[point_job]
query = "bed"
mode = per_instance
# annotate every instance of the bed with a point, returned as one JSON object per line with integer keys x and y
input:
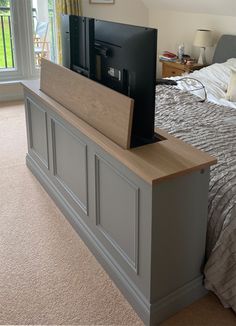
{"x": 211, "y": 126}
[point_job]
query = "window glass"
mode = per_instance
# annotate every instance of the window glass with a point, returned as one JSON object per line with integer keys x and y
{"x": 44, "y": 39}
{"x": 7, "y": 55}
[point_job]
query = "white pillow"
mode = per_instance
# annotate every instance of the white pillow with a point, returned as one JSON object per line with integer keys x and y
{"x": 232, "y": 62}
{"x": 231, "y": 92}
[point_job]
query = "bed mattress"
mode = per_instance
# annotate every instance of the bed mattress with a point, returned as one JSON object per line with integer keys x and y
{"x": 212, "y": 128}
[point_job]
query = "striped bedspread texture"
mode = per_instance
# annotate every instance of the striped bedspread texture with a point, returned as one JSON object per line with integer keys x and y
{"x": 211, "y": 128}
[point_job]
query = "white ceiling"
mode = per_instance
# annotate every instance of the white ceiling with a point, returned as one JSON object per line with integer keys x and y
{"x": 213, "y": 7}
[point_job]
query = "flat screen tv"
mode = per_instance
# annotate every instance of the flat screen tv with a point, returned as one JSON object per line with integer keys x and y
{"x": 119, "y": 56}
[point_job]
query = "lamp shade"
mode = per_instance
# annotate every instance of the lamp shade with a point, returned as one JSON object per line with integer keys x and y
{"x": 203, "y": 38}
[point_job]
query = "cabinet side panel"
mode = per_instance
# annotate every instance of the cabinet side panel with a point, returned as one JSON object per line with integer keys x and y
{"x": 178, "y": 232}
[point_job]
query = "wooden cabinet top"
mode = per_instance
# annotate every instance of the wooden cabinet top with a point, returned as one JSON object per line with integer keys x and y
{"x": 153, "y": 163}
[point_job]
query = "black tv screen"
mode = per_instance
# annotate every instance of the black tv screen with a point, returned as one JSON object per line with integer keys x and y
{"x": 119, "y": 56}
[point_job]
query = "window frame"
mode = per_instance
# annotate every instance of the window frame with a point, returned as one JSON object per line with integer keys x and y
{"x": 22, "y": 28}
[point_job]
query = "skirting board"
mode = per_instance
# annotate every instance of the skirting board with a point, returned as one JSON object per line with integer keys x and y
{"x": 11, "y": 92}
{"x": 11, "y": 97}
{"x": 151, "y": 314}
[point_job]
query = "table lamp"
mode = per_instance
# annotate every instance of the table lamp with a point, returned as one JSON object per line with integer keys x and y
{"x": 203, "y": 39}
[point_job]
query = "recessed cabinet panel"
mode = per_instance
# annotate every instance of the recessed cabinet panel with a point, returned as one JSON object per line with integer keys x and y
{"x": 70, "y": 163}
{"x": 117, "y": 206}
{"x": 38, "y": 131}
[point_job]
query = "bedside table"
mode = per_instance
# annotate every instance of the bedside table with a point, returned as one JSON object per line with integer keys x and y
{"x": 170, "y": 69}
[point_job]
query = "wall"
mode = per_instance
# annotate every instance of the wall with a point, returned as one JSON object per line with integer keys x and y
{"x": 177, "y": 22}
{"x": 213, "y": 7}
{"x": 124, "y": 11}
{"x": 176, "y": 27}
{"x": 11, "y": 92}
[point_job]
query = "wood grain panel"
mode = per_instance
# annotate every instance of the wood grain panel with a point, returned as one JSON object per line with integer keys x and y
{"x": 104, "y": 109}
{"x": 153, "y": 163}
{"x": 168, "y": 71}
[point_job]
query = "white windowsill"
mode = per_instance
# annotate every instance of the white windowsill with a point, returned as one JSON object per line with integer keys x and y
{"x": 16, "y": 82}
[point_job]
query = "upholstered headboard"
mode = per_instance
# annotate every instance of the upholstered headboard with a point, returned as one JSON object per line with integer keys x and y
{"x": 225, "y": 49}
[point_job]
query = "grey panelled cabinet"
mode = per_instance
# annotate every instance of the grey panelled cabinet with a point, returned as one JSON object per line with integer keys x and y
{"x": 149, "y": 237}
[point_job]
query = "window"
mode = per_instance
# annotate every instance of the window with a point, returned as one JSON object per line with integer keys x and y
{"x": 7, "y": 60}
{"x": 19, "y": 53}
{"x": 44, "y": 30}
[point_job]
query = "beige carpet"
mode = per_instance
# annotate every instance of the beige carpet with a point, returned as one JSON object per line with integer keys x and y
{"x": 47, "y": 275}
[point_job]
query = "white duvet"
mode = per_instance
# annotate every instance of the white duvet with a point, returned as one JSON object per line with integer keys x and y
{"x": 215, "y": 78}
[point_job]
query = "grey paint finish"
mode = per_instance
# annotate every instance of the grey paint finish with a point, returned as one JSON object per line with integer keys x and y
{"x": 125, "y": 284}
{"x": 38, "y": 140}
{"x": 117, "y": 205}
{"x": 178, "y": 232}
{"x": 139, "y": 278}
{"x": 70, "y": 163}
{"x": 150, "y": 239}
